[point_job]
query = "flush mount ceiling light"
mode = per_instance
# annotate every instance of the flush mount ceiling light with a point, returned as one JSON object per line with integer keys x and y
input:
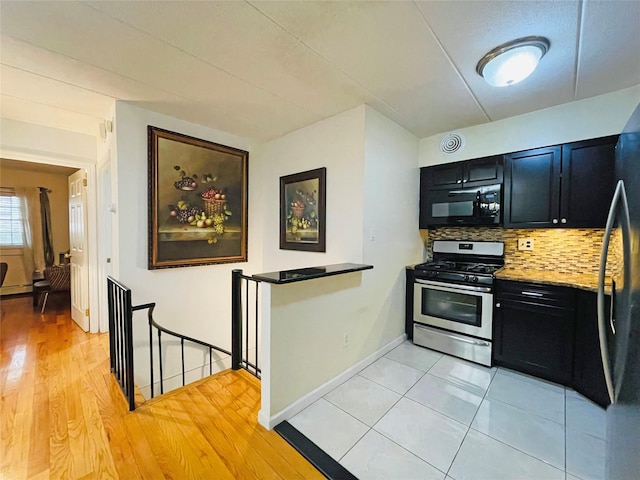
{"x": 513, "y": 61}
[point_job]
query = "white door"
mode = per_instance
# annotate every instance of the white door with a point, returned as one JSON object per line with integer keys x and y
{"x": 78, "y": 241}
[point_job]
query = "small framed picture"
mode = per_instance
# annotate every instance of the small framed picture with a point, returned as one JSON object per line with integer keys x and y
{"x": 303, "y": 211}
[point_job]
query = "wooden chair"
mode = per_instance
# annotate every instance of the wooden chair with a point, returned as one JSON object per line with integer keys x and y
{"x": 57, "y": 279}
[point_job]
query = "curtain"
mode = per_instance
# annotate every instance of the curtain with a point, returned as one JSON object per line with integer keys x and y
{"x": 47, "y": 236}
{"x": 32, "y": 253}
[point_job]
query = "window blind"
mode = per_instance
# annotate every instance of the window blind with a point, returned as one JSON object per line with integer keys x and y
{"x": 10, "y": 218}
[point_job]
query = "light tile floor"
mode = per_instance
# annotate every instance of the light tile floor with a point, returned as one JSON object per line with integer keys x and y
{"x": 419, "y": 414}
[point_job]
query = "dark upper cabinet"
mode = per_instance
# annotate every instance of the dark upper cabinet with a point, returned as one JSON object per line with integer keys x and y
{"x": 588, "y": 182}
{"x": 467, "y": 174}
{"x": 567, "y": 185}
{"x": 532, "y": 188}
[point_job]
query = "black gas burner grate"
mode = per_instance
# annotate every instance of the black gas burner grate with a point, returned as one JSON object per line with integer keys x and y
{"x": 458, "y": 267}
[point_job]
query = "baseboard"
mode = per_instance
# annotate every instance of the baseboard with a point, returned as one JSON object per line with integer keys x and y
{"x": 303, "y": 402}
{"x": 15, "y": 289}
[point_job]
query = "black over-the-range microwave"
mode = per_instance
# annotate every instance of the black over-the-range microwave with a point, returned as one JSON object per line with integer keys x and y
{"x": 462, "y": 206}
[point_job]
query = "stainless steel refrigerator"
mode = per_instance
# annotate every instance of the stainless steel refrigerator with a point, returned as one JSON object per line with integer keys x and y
{"x": 619, "y": 327}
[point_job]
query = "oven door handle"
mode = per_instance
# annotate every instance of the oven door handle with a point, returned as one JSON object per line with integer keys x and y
{"x": 456, "y": 289}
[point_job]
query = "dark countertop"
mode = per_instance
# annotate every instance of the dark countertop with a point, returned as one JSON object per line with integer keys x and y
{"x": 309, "y": 273}
{"x": 583, "y": 281}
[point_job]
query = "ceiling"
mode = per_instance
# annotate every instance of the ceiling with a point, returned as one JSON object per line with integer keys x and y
{"x": 261, "y": 69}
{"x": 35, "y": 167}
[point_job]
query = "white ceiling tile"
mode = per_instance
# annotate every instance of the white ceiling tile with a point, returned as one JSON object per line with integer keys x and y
{"x": 468, "y": 30}
{"x": 610, "y": 49}
{"x": 36, "y": 88}
{"x": 46, "y": 63}
{"x": 237, "y": 38}
{"x": 108, "y": 42}
{"x": 262, "y": 69}
{"x": 397, "y": 60}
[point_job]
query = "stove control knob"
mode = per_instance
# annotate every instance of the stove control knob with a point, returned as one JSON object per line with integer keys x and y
{"x": 474, "y": 279}
{"x": 465, "y": 278}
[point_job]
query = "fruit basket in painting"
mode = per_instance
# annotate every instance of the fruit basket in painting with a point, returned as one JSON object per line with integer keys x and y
{"x": 206, "y": 209}
{"x": 213, "y": 206}
{"x": 297, "y": 209}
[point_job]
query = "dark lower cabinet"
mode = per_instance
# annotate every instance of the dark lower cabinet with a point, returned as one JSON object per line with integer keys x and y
{"x": 588, "y": 374}
{"x": 534, "y": 329}
{"x": 408, "y": 310}
{"x": 552, "y": 333}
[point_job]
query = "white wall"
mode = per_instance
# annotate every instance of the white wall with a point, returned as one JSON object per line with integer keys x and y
{"x": 591, "y": 118}
{"x": 26, "y": 141}
{"x": 337, "y": 144}
{"x": 391, "y": 235}
{"x": 195, "y": 301}
{"x": 372, "y": 188}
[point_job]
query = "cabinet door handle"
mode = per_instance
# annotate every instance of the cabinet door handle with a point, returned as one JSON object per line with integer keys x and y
{"x": 533, "y": 294}
{"x": 555, "y": 220}
{"x": 459, "y": 181}
{"x": 564, "y": 220}
{"x": 498, "y": 305}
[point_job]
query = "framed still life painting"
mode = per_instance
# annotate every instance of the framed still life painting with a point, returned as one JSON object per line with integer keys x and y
{"x": 303, "y": 211}
{"x": 197, "y": 201}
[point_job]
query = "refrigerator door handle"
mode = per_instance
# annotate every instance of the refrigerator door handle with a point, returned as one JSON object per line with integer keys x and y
{"x": 618, "y": 196}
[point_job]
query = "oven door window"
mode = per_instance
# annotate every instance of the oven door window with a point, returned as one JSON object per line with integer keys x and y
{"x": 457, "y": 307}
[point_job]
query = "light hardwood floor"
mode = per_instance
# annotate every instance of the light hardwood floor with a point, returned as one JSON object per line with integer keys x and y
{"x": 62, "y": 415}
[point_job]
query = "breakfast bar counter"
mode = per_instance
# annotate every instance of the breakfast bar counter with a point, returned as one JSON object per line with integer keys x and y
{"x": 309, "y": 273}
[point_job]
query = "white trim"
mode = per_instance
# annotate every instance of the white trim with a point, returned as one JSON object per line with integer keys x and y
{"x": 15, "y": 289}
{"x": 303, "y": 402}
{"x": 52, "y": 158}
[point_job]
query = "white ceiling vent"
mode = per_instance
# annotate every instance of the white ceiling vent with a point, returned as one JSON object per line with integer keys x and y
{"x": 452, "y": 143}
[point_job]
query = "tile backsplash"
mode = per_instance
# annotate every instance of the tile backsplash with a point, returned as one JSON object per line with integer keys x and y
{"x": 563, "y": 250}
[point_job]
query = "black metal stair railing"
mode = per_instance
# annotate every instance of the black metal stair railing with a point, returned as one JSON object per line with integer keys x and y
{"x": 245, "y": 323}
{"x": 245, "y": 335}
{"x": 183, "y": 338}
{"x": 121, "y": 341}
{"x": 121, "y": 336}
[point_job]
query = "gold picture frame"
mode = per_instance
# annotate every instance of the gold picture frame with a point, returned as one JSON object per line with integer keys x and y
{"x": 197, "y": 201}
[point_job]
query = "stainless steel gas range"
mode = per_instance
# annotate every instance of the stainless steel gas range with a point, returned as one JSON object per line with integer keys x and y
{"x": 453, "y": 299}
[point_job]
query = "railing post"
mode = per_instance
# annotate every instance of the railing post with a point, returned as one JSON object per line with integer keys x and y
{"x": 236, "y": 318}
{"x": 128, "y": 333}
